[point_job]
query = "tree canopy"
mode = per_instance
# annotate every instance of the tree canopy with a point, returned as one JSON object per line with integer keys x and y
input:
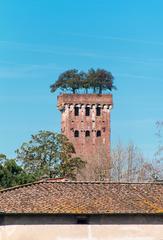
{"x": 97, "y": 81}
{"x": 46, "y": 154}
{"x": 49, "y": 154}
{"x": 12, "y": 174}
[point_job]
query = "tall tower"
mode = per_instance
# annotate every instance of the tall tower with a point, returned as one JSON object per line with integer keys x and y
{"x": 86, "y": 123}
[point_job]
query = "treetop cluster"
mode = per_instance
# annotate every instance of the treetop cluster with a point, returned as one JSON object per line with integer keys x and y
{"x": 93, "y": 81}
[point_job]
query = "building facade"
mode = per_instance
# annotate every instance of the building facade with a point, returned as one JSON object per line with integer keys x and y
{"x": 86, "y": 123}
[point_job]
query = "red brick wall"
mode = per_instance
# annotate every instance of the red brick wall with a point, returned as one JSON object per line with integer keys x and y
{"x": 95, "y": 150}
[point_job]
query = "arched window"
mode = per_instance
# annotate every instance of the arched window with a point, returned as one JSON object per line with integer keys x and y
{"x": 98, "y": 111}
{"x": 76, "y": 111}
{"x": 87, "y": 133}
{"x": 87, "y": 111}
{"x": 98, "y": 133}
{"x": 76, "y": 133}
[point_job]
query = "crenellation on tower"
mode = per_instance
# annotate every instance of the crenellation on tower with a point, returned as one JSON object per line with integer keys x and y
{"x": 86, "y": 123}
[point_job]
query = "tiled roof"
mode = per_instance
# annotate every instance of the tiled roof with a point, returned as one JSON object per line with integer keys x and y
{"x": 64, "y": 197}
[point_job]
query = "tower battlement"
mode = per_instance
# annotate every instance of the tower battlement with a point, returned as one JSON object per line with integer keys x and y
{"x": 86, "y": 123}
{"x": 71, "y": 99}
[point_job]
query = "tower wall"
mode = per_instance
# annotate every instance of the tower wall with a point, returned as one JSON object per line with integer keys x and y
{"x": 89, "y": 134}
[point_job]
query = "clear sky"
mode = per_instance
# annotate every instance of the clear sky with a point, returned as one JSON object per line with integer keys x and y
{"x": 39, "y": 39}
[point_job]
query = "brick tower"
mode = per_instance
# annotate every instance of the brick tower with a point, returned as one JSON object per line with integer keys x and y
{"x": 86, "y": 123}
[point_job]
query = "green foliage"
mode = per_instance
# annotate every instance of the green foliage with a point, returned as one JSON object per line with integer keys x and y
{"x": 98, "y": 80}
{"x": 46, "y": 154}
{"x": 2, "y": 158}
{"x": 12, "y": 174}
{"x": 69, "y": 80}
{"x": 49, "y": 154}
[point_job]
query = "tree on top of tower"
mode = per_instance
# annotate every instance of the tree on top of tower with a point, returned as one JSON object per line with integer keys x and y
{"x": 97, "y": 80}
{"x": 68, "y": 80}
{"x": 100, "y": 80}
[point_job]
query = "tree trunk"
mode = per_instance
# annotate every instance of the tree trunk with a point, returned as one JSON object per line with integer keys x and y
{"x": 100, "y": 90}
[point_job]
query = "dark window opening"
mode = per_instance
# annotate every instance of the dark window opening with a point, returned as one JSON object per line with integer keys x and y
{"x": 82, "y": 220}
{"x": 76, "y": 133}
{"x": 87, "y": 111}
{"x": 98, "y": 111}
{"x": 98, "y": 133}
{"x": 87, "y": 133}
{"x": 76, "y": 111}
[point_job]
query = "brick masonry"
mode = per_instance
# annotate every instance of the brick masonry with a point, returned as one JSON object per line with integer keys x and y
{"x": 90, "y": 134}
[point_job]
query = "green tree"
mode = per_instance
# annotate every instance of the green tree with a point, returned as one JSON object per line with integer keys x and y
{"x": 12, "y": 174}
{"x": 68, "y": 80}
{"x": 91, "y": 79}
{"x": 51, "y": 154}
{"x": 85, "y": 83}
{"x": 3, "y": 158}
{"x": 100, "y": 80}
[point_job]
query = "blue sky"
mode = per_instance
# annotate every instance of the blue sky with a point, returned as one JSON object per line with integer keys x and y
{"x": 41, "y": 39}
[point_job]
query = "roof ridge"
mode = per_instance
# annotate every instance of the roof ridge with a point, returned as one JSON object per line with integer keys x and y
{"x": 77, "y": 182}
{"x": 102, "y": 182}
{"x": 20, "y": 186}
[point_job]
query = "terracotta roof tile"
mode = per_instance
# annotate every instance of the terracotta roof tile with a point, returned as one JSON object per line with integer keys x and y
{"x": 66, "y": 197}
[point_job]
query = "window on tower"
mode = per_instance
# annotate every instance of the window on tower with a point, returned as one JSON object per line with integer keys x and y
{"x": 76, "y": 111}
{"x": 87, "y": 133}
{"x": 98, "y": 111}
{"x": 98, "y": 133}
{"x": 76, "y": 133}
{"x": 87, "y": 111}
